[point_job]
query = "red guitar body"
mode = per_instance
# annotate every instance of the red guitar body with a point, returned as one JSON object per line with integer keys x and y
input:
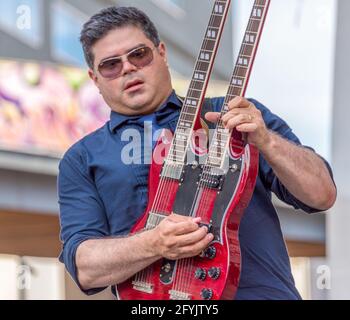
{"x": 220, "y": 210}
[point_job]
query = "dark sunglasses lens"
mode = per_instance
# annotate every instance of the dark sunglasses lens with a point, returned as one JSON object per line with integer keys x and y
{"x": 141, "y": 57}
{"x": 111, "y": 68}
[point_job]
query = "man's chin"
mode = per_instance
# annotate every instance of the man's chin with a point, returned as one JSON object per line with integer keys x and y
{"x": 137, "y": 99}
{"x": 138, "y": 103}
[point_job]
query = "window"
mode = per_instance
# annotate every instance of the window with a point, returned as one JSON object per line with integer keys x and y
{"x": 22, "y": 19}
{"x": 66, "y": 24}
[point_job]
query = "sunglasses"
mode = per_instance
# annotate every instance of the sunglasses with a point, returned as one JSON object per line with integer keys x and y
{"x": 111, "y": 68}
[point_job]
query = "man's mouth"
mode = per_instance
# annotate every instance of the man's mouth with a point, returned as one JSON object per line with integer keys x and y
{"x": 133, "y": 85}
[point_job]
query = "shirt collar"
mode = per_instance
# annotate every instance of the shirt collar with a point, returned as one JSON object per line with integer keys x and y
{"x": 118, "y": 119}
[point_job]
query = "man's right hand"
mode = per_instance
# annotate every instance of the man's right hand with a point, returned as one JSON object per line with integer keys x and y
{"x": 178, "y": 237}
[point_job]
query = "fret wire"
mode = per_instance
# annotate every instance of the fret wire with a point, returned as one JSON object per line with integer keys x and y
{"x": 240, "y": 73}
{"x": 200, "y": 77}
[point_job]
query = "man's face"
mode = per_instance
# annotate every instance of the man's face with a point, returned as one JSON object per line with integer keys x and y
{"x": 135, "y": 91}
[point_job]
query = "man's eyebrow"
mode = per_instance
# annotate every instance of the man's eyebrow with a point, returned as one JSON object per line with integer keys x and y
{"x": 127, "y": 51}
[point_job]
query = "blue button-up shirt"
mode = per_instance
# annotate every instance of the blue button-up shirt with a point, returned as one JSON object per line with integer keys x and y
{"x": 102, "y": 196}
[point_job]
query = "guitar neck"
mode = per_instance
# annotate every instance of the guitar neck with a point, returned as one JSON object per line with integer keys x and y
{"x": 240, "y": 78}
{"x": 199, "y": 83}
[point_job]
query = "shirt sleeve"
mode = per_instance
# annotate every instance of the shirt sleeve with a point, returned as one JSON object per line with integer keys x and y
{"x": 270, "y": 180}
{"x": 267, "y": 175}
{"x": 82, "y": 214}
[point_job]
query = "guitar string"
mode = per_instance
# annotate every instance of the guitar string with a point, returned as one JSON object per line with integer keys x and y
{"x": 179, "y": 276}
{"x": 162, "y": 187}
{"x": 218, "y": 2}
{"x": 205, "y": 201}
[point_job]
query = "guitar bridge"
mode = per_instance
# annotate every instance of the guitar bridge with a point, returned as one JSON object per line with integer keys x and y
{"x": 142, "y": 286}
{"x": 178, "y": 295}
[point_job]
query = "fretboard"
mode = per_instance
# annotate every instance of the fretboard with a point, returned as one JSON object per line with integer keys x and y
{"x": 198, "y": 84}
{"x": 239, "y": 81}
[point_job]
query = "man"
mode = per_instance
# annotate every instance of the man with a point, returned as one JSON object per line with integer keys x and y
{"x": 101, "y": 198}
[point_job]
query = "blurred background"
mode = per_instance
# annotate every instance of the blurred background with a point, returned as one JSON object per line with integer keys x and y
{"x": 47, "y": 103}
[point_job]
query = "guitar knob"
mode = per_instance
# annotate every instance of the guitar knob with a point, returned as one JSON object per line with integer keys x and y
{"x": 210, "y": 252}
{"x": 207, "y": 294}
{"x": 214, "y": 273}
{"x": 200, "y": 274}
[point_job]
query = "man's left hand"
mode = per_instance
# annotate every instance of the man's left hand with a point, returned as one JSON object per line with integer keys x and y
{"x": 247, "y": 119}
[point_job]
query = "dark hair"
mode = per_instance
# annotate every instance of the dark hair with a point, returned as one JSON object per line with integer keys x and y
{"x": 112, "y": 18}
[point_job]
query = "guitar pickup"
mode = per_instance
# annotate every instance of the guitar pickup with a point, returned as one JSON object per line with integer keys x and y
{"x": 212, "y": 181}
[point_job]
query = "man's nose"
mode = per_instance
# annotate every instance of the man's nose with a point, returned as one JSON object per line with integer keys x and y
{"x": 128, "y": 67}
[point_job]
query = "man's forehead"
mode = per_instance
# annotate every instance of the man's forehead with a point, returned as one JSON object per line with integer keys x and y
{"x": 120, "y": 41}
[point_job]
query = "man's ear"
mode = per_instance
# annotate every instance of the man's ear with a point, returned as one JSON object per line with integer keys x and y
{"x": 94, "y": 78}
{"x": 163, "y": 51}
